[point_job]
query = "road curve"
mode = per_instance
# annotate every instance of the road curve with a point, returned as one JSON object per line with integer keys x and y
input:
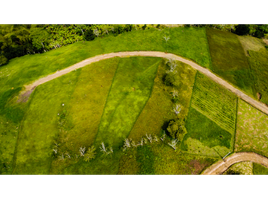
{"x": 203, "y": 70}
{"x": 221, "y": 166}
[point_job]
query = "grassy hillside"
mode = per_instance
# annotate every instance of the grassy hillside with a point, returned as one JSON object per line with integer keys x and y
{"x": 188, "y": 42}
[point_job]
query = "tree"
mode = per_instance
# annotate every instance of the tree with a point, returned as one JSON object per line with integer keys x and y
{"x": 40, "y": 38}
{"x": 90, "y": 154}
{"x": 176, "y": 129}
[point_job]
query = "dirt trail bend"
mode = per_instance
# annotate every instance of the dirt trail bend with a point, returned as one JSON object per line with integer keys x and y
{"x": 203, "y": 70}
{"x": 221, "y": 166}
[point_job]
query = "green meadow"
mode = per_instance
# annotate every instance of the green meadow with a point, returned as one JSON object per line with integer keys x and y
{"x": 107, "y": 104}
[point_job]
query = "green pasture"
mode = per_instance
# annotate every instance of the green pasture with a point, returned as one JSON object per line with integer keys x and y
{"x": 158, "y": 110}
{"x": 259, "y": 169}
{"x": 252, "y": 133}
{"x": 229, "y": 59}
{"x": 211, "y": 120}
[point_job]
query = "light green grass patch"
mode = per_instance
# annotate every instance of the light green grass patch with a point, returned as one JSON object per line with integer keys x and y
{"x": 242, "y": 168}
{"x": 128, "y": 95}
{"x": 84, "y": 111}
{"x": 39, "y": 129}
{"x": 251, "y": 43}
{"x": 194, "y": 146}
{"x": 252, "y": 132}
{"x": 167, "y": 161}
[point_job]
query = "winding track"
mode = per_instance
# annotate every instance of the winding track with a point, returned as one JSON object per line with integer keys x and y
{"x": 203, "y": 70}
{"x": 216, "y": 168}
{"x": 221, "y": 166}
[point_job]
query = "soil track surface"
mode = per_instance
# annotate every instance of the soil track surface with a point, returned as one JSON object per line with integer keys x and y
{"x": 221, "y": 166}
{"x": 203, "y": 70}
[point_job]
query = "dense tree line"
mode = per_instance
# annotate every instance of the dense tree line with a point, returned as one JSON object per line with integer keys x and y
{"x": 19, "y": 40}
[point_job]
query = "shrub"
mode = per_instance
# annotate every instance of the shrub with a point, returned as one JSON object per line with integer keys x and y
{"x": 176, "y": 129}
{"x": 89, "y": 35}
{"x": 3, "y": 60}
{"x": 169, "y": 79}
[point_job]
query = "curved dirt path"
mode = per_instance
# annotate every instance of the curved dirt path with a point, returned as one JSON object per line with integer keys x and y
{"x": 29, "y": 88}
{"x": 221, "y": 166}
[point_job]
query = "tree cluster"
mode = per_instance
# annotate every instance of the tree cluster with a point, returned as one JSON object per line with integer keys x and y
{"x": 19, "y": 40}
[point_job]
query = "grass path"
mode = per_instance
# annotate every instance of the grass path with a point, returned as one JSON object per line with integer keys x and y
{"x": 242, "y": 95}
{"x": 221, "y": 166}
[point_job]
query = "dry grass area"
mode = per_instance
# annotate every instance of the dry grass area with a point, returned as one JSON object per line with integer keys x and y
{"x": 242, "y": 168}
{"x": 252, "y": 131}
{"x": 251, "y": 43}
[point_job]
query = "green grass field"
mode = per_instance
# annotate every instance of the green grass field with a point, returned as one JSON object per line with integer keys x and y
{"x": 159, "y": 158}
{"x": 229, "y": 59}
{"x": 120, "y": 98}
{"x": 211, "y": 120}
{"x": 130, "y": 91}
{"x": 241, "y": 168}
{"x": 252, "y": 134}
{"x": 158, "y": 109}
{"x": 257, "y": 56}
{"x": 259, "y": 169}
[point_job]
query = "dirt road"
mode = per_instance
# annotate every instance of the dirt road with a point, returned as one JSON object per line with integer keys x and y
{"x": 205, "y": 71}
{"x": 221, "y": 166}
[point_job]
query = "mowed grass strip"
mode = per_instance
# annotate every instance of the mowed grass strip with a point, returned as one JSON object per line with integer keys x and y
{"x": 39, "y": 129}
{"x": 252, "y": 132}
{"x": 215, "y": 102}
{"x": 229, "y": 59}
{"x": 84, "y": 112}
{"x": 131, "y": 89}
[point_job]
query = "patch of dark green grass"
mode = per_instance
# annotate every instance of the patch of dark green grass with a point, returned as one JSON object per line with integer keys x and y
{"x": 258, "y": 61}
{"x": 145, "y": 158}
{"x": 229, "y": 59}
{"x": 259, "y": 169}
{"x": 201, "y": 128}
